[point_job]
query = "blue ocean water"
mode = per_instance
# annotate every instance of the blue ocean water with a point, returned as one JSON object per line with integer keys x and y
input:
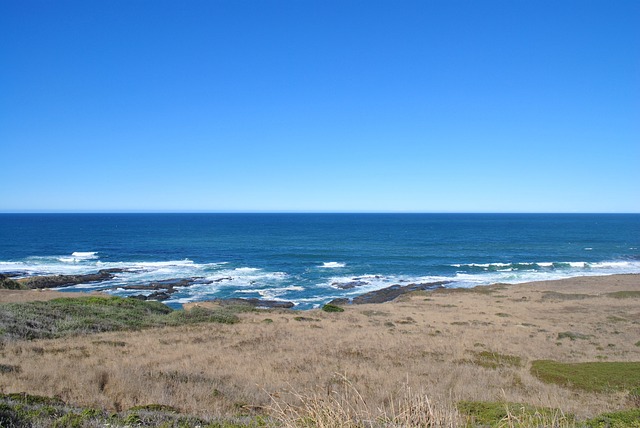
{"x": 305, "y": 258}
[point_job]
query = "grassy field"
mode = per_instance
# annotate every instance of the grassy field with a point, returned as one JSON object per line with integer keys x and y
{"x": 493, "y": 356}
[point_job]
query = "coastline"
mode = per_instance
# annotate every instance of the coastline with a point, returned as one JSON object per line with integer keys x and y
{"x": 431, "y": 341}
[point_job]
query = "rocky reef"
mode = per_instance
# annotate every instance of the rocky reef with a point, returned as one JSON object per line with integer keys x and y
{"x": 54, "y": 281}
{"x": 389, "y": 293}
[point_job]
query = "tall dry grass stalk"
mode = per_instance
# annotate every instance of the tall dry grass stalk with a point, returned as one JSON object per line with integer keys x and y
{"x": 344, "y": 407}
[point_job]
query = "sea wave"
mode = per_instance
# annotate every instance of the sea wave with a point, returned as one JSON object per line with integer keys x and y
{"x": 305, "y": 285}
{"x": 332, "y": 265}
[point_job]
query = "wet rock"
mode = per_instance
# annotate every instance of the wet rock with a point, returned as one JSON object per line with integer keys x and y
{"x": 390, "y": 293}
{"x": 166, "y": 284}
{"x": 163, "y": 289}
{"x": 349, "y": 285}
{"x": 54, "y": 281}
{"x": 159, "y": 296}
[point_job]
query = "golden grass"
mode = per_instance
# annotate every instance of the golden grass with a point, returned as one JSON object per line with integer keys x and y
{"x": 424, "y": 342}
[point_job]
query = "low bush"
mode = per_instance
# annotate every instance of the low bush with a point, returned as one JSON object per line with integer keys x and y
{"x": 332, "y": 308}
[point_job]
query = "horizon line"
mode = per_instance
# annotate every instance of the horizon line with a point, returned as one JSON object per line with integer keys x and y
{"x": 298, "y": 212}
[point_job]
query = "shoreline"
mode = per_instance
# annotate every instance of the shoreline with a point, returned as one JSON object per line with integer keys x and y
{"x": 383, "y": 295}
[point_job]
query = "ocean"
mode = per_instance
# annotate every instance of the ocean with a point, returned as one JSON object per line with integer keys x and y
{"x": 310, "y": 259}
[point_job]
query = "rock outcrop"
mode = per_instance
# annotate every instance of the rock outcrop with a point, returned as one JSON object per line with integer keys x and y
{"x": 389, "y": 293}
{"x": 54, "y": 281}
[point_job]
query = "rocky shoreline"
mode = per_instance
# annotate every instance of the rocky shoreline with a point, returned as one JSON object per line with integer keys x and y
{"x": 55, "y": 281}
{"x": 162, "y": 290}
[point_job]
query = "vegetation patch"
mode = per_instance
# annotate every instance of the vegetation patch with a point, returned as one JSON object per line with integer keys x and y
{"x": 332, "y": 308}
{"x": 494, "y": 414}
{"x": 114, "y": 343}
{"x": 8, "y": 368}
{"x": 22, "y": 410}
{"x": 593, "y": 376}
{"x": 370, "y": 313}
{"x": 86, "y": 315}
{"x": 621, "y": 419}
{"x": 554, "y": 295}
{"x": 155, "y": 408}
{"x": 493, "y": 360}
{"x": 624, "y": 294}
{"x": 572, "y": 335}
{"x": 481, "y": 289}
{"x": 7, "y": 283}
{"x": 305, "y": 319}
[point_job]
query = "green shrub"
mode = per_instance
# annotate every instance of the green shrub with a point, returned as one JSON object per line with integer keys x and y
{"x": 332, "y": 308}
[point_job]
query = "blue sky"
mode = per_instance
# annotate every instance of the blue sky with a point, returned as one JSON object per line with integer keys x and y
{"x": 301, "y": 105}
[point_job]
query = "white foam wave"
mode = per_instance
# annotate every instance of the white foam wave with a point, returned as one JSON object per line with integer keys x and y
{"x": 332, "y": 265}
{"x": 85, "y": 254}
{"x": 246, "y": 269}
{"x": 170, "y": 263}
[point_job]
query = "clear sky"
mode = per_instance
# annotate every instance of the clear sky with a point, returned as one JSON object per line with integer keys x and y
{"x": 304, "y": 105}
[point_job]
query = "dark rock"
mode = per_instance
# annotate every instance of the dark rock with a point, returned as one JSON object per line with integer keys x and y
{"x": 163, "y": 289}
{"x": 53, "y": 281}
{"x": 339, "y": 302}
{"x": 159, "y": 295}
{"x": 390, "y": 293}
{"x": 349, "y": 285}
{"x": 226, "y": 278}
{"x": 166, "y": 284}
{"x": 256, "y": 303}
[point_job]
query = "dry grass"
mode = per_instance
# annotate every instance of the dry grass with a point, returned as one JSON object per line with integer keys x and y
{"x": 424, "y": 342}
{"x": 344, "y": 407}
